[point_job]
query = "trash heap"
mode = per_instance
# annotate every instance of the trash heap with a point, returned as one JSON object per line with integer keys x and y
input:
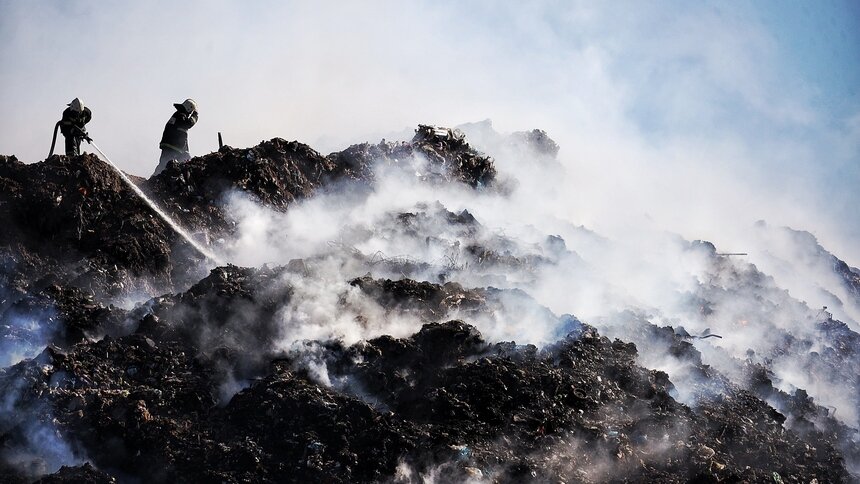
{"x": 443, "y": 401}
{"x": 85, "y": 474}
{"x": 206, "y": 380}
{"x": 537, "y": 140}
{"x": 61, "y": 315}
{"x": 461, "y": 247}
{"x": 448, "y": 148}
{"x": 826, "y": 348}
{"x": 74, "y": 220}
{"x": 276, "y": 173}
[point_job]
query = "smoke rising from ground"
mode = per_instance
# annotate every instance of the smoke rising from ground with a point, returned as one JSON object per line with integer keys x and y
{"x": 657, "y": 276}
{"x": 666, "y": 139}
{"x": 689, "y": 114}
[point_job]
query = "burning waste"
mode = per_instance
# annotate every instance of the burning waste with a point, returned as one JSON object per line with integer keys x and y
{"x": 374, "y": 320}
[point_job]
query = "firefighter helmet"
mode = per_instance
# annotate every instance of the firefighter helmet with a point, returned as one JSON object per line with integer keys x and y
{"x": 190, "y": 106}
{"x": 77, "y": 105}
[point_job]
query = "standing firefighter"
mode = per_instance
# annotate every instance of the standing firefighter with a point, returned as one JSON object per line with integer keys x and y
{"x": 174, "y": 141}
{"x": 73, "y": 126}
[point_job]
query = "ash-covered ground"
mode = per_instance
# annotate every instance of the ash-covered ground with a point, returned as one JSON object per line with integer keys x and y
{"x": 408, "y": 311}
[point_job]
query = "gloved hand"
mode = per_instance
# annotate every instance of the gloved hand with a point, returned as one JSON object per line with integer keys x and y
{"x": 84, "y": 135}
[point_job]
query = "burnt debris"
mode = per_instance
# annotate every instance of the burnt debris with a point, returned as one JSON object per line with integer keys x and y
{"x": 202, "y": 380}
{"x": 77, "y": 217}
{"x": 443, "y": 400}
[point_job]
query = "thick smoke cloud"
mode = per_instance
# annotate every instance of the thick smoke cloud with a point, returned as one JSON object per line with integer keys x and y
{"x": 688, "y": 134}
{"x": 643, "y": 276}
{"x": 690, "y": 115}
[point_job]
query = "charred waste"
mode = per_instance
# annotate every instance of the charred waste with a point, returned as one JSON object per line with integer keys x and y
{"x": 127, "y": 356}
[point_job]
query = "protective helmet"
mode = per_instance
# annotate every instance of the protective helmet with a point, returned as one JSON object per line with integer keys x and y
{"x": 190, "y": 106}
{"x": 77, "y": 105}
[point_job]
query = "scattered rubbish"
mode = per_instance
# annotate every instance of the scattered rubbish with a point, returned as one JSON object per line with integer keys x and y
{"x": 194, "y": 385}
{"x": 155, "y": 208}
{"x": 463, "y": 451}
{"x": 706, "y": 333}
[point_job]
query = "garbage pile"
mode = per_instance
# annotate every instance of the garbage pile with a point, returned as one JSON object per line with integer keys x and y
{"x": 208, "y": 377}
{"x": 443, "y": 401}
{"x": 276, "y": 173}
{"x": 825, "y": 348}
{"x": 75, "y": 220}
{"x": 85, "y": 474}
{"x": 538, "y": 140}
{"x": 448, "y": 148}
{"x": 426, "y": 300}
{"x": 61, "y": 315}
{"x": 457, "y": 245}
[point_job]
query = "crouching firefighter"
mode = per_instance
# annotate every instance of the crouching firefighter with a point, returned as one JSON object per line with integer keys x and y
{"x": 174, "y": 141}
{"x": 73, "y": 127}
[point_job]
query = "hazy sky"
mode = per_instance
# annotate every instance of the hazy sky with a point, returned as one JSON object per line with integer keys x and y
{"x": 729, "y": 110}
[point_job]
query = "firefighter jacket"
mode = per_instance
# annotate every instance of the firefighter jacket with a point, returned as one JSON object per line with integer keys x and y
{"x": 175, "y": 135}
{"x": 73, "y": 122}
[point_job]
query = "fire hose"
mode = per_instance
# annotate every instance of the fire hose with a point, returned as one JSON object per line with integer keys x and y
{"x": 84, "y": 136}
{"x": 54, "y": 140}
{"x": 166, "y": 218}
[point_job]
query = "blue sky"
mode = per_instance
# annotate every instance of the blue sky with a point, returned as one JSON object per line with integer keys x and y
{"x": 818, "y": 43}
{"x": 723, "y": 109}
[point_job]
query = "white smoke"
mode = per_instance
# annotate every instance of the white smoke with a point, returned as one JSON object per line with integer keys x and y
{"x": 39, "y": 448}
{"x": 697, "y": 117}
{"x": 725, "y": 142}
{"x": 661, "y": 275}
{"x": 25, "y": 333}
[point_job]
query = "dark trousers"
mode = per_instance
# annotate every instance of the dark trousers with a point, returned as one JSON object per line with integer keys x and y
{"x": 73, "y": 146}
{"x": 168, "y": 154}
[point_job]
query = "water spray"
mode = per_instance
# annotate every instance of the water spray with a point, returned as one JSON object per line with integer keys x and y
{"x": 175, "y": 226}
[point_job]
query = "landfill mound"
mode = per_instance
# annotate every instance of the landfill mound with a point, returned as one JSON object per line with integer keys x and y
{"x": 442, "y": 401}
{"x": 60, "y": 315}
{"x": 356, "y": 365}
{"x": 77, "y": 222}
{"x": 278, "y": 172}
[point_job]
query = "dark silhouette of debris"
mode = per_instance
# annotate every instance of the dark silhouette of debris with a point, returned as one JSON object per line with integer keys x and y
{"x": 196, "y": 384}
